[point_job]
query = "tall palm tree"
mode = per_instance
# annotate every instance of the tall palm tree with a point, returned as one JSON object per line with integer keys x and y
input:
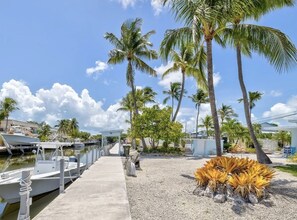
{"x": 253, "y": 97}
{"x": 184, "y": 60}
{"x": 267, "y": 41}
{"x": 44, "y": 132}
{"x": 226, "y": 112}
{"x": 63, "y": 126}
{"x": 200, "y": 97}
{"x": 7, "y": 106}
{"x": 144, "y": 96}
{"x": 173, "y": 93}
{"x": 204, "y": 20}
{"x": 207, "y": 123}
{"x": 132, "y": 46}
{"x": 73, "y": 127}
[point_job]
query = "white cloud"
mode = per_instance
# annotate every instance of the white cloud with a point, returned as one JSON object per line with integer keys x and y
{"x": 126, "y": 3}
{"x": 100, "y": 67}
{"x": 61, "y": 102}
{"x": 275, "y": 93}
{"x": 157, "y": 6}
{"x": 172, "y": 77}
{"x": 280, "y": 109}
{"x": 216, "y": 78}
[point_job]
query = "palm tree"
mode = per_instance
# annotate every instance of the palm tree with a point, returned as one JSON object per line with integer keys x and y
{"x": 199, "y": 98}
{"x": 173, "y": 93}
{"x": 44, "y": 132}
{"x": 73, "y": 127}
{"x": 184, "y": 60}
{"x": 271, "y": 43}
{"x": 7, "y": 106}
{"x": 144, "y": 96}
{"x": 207, "y": 123}
{"x": 132, "y": 46}
{"x": 63, "y": 126}
{"x": 253, "y": 97}
{"x": 226, "y": 113}
{"x": 204, "y": 19}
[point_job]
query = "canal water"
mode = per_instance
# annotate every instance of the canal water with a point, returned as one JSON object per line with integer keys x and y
{"x": 7, "y": 163}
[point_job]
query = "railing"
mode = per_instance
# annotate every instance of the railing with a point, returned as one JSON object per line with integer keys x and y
{"x": 25, "y": 182}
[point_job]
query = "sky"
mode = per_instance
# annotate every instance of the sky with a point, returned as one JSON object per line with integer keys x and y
{"x": 53, "y": 62}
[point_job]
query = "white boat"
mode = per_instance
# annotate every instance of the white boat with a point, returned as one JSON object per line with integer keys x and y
{"x": 18, "y": 139}
{"x": 45, "y": 173}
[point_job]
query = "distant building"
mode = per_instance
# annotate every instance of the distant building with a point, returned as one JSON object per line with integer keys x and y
{"x": 32, "y": 127}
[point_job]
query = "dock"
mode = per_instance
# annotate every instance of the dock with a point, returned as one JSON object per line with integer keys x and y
{"x": 100, "y": 193}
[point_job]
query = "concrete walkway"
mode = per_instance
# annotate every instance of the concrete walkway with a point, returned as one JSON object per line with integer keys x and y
{"x": 100, "y": 193}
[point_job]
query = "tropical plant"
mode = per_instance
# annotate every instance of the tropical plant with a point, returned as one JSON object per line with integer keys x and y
{"x": 283, "y": 138}
{"x": 253, "y": 97}
{"x": 173, "y": 94}
{"x": 63, "y": 126}
{"x": 226, "y": 113}
{"x": 7, "y": 106}
{"x": 73, "y": 128}
{"x": 207, "y": 123}
{"x": 243, "y": 175}
{"x": 267, "y": 41}
{"x": 185, "y": 60}
{"x": 200, "y": 97}
{"x": 132, "y": 46}
{"x": 44, "y": 131}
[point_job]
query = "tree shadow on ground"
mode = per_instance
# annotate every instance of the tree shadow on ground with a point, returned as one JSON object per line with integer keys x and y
{"x": 188, "y": 176}
{"x": 284, "y": 188}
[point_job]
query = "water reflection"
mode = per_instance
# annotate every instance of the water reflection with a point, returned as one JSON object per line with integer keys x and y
{"x": 8, "y": 163}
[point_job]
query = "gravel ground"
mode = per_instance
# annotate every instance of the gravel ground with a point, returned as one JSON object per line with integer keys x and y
{"x": 163, "y": 189}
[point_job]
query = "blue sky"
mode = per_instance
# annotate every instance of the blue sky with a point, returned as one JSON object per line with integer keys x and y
{"x": 53, "y": 62}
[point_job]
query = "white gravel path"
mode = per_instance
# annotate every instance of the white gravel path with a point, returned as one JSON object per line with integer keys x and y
{"x": 163, "y": 190}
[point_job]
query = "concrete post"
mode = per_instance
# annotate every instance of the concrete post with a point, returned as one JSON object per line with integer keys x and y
{"x": 25, "y": 200}
{"x": 87, "y": 160}
{"x": 119, "y": 145}
{"x": 78, "y": 165}
{"x": 62, "y": 185}
{"x": 92, "y": 155}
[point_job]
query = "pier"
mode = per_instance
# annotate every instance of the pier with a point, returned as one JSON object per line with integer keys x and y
{"x": 100, "y": 193}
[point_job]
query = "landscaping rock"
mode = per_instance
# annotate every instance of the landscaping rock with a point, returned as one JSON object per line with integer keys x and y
{"x": 220, "y": 198}
{"x": 198, "y": 191}
{"x": 253, "y": 199}
{"x": 209, "y": 192}
{"x": 131, "y": 170}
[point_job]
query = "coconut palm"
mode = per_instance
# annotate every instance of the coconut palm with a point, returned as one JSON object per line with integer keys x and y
{"x": 253, "y": 97}
{"x": 7, "y": 106}
{"x": 173, "y": 94}
{"x": 63, "y": 126}
{"x": 44, "y": 132}
{"x": 73, "y": 127}
{"x": 144, "y": 96}
{"x": 132, "y": 46}
{"x": 267, "y": 41}
{"x": 204, "y": 20}
{"x": 200, "y": 97}
{"x": 226, "y": 113}
{"x": 207, "y": 123}
{"x": 185, "y": 61}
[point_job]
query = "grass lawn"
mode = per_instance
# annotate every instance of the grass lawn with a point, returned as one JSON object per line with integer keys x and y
{"x": 290, "y": 168}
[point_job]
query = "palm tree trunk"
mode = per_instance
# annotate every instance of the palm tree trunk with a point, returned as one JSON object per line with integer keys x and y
{"x": 180, "y": 97}
{"x": 261, "y": 156}
{"x": 172, "y": 105}
{"x": 197, "y": 117}
{"x": 212, "y": 97}
{"x": 6, "y": 125}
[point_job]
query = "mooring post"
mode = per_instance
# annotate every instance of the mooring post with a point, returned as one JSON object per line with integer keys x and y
{"x": 78, "y": 165}
{"x": 92, "y": 155}
{"x": 61, "y": 176}
{"x": 25, "y": 200}
{"x": 87, "y": 160}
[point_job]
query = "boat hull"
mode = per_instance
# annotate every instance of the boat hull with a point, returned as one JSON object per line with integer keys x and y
{"x": 10, "y": 191}
{"x": 19, "y": 140}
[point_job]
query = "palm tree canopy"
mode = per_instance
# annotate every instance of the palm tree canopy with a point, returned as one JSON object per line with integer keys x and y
{"x": 200, "y": 97}
{"x": 173, "y": 92}
{"x": 7, "y": 106}
{"x": 253, "y": 97}
{"x": 226, "y": 112}
{"x": 132, "y": 46}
